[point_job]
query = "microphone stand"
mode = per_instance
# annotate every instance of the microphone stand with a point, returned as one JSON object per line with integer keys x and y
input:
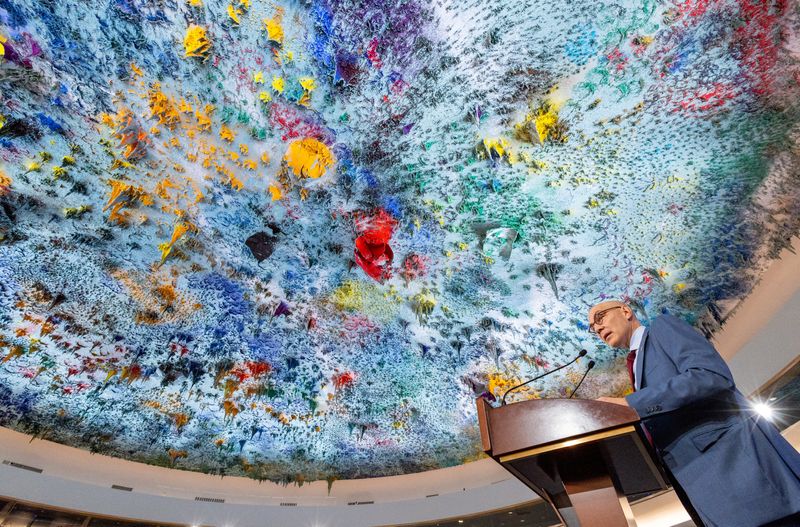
{"x": 545, "y": 374}
{"x": 588, "y": 367}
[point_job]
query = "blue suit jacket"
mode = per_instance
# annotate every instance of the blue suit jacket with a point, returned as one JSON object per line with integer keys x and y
{"x": 736, "y": 469}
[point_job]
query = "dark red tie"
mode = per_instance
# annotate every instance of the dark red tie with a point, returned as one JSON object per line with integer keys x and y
{"x": 631, "y": 358}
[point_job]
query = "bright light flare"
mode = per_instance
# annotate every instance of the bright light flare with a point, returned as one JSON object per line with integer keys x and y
{"x": 764, "y": 410}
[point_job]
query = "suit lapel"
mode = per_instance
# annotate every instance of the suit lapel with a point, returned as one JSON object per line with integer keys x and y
{"x": 640, "y": 356}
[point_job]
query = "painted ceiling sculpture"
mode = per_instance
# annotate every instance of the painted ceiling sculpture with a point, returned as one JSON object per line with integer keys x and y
{"x": 294, "y": 240}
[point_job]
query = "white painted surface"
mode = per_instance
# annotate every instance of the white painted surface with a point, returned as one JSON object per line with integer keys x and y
{"x": 78, "y": 480}
{"x": 78, "y": 465}
{"x": 762, "y": 335}
{"x": 59, "y": 492}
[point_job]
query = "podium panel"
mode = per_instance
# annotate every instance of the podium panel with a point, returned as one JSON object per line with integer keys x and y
{"x": 584, "y": 457}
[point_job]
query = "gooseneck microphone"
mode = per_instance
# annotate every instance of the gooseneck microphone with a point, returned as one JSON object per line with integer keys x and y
{"x": 588, "y": 367}
{"x": 545, "y": 374}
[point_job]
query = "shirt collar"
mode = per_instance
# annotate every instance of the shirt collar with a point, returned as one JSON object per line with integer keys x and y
{"x": 636, "y": 338}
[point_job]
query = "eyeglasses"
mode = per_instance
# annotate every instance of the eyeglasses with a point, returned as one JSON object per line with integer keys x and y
{"x": 599, "y": 317}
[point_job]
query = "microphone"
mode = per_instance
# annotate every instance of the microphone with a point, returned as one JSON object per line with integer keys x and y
{"x": 588, "y": 367}
{"x": 545, "y": 374}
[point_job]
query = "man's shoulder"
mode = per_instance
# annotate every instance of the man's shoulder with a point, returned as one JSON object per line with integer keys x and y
{"x": 665, "y": 319}
{"x": 666, "y": 323}
{"x": 668, "y": 328}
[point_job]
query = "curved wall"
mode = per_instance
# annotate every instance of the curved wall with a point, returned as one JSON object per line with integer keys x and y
{"x": 758, "y": 341}
{"x": 78, "y": 480}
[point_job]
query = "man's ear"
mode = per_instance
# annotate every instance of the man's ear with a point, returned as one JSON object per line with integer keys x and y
{"x": 628, "y": 313}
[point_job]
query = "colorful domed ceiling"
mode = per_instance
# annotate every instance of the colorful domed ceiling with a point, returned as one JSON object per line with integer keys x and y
{"x": 294, "y": 240}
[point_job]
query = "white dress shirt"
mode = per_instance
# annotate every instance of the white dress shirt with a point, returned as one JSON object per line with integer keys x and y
{"x": 636, "y": 342}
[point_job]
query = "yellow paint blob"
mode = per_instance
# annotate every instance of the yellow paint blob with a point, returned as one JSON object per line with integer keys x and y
{"x": 128, "y": 193}
{"x": 163, "y": 107}
{"x": 348, "y": 297}
{"x": 185, "y": 107}
{"x": 495, "y": 147}
{"x": 234, "y": 13}
{"x": 308, "y": 83}
{"x": 5, "y": 183}
{"x": 278, "y": 84}
{"x": 423, "y": 303}
{"x": 308, "y": 158}
{"x": 545, "y": 118}
{"x": 203, "y": 118}
{"x": 2, "y": 47}
{"x": 196, "y": 43}
{"x": 499, "y": 383}
{"x": 274, "y": 29}
{"x": 162, "y": 188}
{"x": 226, "y": 133}
{"x": 275, "y": 192}
{"x": 178, "y": 231}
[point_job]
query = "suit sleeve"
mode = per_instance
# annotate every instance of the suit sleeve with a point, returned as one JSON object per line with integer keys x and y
{"x": 701, "y": 371}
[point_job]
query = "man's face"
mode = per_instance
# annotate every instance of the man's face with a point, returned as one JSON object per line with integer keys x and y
{"x": 613, "y": 322}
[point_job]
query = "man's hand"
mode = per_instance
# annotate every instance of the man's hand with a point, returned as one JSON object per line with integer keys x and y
{"x": 613, "y": 400}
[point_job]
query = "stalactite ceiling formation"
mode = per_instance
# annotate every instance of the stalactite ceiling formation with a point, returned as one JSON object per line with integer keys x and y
{"x": 294, "y": 240}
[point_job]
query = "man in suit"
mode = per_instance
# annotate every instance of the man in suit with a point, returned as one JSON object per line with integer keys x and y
{"x": 735, "y": 468}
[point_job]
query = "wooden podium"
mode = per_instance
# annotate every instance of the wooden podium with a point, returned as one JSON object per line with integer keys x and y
{"x": 584, "y": 457}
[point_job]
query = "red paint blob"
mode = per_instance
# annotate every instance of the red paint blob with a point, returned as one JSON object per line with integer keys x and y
{"x": 372, "y": 252}
{"x": 344, "y": 379}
